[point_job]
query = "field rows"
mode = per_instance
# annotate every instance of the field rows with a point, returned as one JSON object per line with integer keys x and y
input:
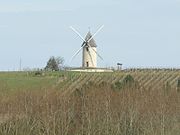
{"x": 146, "y": 79}
{"x": 69, "y": 81}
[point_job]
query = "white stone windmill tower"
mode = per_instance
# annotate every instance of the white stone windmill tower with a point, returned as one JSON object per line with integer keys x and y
{"x": 89, "y": 47}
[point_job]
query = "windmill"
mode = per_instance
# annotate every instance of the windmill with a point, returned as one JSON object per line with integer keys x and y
{"x": 89, "y": 49}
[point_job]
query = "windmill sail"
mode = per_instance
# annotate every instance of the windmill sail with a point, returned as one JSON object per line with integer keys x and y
{"x": 89, "y": 49}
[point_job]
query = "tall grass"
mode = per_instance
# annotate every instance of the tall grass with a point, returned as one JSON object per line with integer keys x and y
{"x": 91, "y": 110}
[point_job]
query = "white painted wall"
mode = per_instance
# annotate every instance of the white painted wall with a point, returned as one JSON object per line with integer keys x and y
{"x": 89, "y": 57}
{"x": 92, "y": 70}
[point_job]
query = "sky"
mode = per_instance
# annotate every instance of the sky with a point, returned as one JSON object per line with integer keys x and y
{"x": 137, "y": 33}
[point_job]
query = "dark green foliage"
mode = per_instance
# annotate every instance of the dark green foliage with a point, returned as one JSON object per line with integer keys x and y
{"x": 178, "y": 85}
{"x": 118, "y": 85}
{"x": 54, "y": 64}
{"x": 38, "y": 73}
{"x": 128, "y": 81}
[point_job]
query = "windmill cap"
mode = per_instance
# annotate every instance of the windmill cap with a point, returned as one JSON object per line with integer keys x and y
{"x": 92, "y": 42}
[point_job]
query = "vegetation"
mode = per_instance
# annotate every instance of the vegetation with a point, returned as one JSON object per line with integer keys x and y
{"x": 66, "y": 103}
{"x": 128, "y": 81}
{"x": 54, "y": 63}
{"x": 178, "y": 85}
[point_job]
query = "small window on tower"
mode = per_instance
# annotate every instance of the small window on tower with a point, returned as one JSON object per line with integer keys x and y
{"x": 87, "y": 64}
{"x": 87, "y": 49}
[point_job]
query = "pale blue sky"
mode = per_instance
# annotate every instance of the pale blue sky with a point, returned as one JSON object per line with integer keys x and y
{"x": 137, "y": 33}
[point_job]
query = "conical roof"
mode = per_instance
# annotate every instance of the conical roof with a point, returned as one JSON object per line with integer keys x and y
{"x": 92, "y": 42}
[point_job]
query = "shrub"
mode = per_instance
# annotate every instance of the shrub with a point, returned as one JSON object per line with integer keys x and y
{"x": 128, "y": 81}
{"x": 178, "y": 85}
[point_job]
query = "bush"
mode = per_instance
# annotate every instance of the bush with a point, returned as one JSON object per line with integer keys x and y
{"x": 128, "y": 81}
{"x": 38, "y": 73}
{"x": 178, "y": 85}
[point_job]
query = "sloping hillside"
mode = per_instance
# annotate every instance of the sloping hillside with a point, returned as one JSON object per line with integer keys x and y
{"x": 146, "y": 78}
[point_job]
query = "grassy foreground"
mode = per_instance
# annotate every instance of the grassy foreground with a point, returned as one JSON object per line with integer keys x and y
{"x": 65, "y": 104}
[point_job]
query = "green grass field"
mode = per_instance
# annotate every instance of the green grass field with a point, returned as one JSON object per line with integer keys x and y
{"x": 13, "y": 81}
{"x": 10, "y": 82}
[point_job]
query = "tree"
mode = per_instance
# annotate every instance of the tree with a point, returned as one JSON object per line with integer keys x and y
{"x": 60, "y": 62}
{"x": 54, "y": 63}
